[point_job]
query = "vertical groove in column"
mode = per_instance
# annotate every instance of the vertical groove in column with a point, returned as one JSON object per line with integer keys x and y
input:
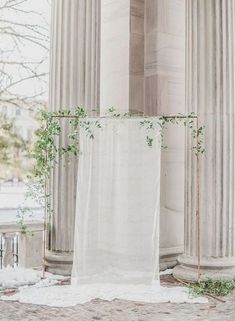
{"x": 218, "y": 151}
{"x": 232, "y": 142}
{"x": 231, "y": 126}
{"x": 188, "y": 35}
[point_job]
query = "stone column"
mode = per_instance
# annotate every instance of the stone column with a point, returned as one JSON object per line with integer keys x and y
{"x": 143, "y": 70}
{"x": 210, "y": 90}
{"x": 164, "y": 94}
{"x": 122, "y": 55}
{"x": 74, "y": 81}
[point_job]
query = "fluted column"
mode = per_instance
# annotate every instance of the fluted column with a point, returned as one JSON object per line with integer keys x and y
{"x": 210, "y": 90}
{"x": 74, "y": 81}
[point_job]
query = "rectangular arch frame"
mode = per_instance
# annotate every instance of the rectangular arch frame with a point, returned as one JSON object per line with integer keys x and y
{"x": 195, "y": 118}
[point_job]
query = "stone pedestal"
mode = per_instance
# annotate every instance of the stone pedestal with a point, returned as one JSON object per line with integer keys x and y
{"x": 74, "y": 79}
{"x": 31, "y": 249}
{"x": 210, "y": 89}
{"x": 28, "y": 247}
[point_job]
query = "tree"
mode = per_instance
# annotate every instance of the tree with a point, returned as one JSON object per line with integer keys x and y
{"x": 19, "y": 68}
{"x": 13, "y": 150}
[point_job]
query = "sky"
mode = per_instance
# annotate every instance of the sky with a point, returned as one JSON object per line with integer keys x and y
{"x": 39, "y": 14}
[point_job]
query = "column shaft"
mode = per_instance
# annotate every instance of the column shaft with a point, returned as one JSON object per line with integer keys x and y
{"x": 74, "y": 81}
{"x": 210, "y": 88}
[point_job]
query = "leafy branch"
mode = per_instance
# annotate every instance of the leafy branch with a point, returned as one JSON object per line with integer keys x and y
{"x": 187, "y": 121}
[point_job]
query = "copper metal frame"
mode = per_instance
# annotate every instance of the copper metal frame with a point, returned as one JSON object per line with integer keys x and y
{"x": 198, "y": 238}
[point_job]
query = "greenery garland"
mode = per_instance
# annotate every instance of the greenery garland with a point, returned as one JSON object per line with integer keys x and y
{"x": 46, "y": 152}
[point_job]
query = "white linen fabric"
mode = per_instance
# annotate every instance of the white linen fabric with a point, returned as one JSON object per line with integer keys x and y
{"x": 117, "y": 213}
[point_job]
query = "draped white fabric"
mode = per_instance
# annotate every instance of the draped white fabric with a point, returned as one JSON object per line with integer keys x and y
{"x": 116, "y": 248}
{"x": 117, "y": 214}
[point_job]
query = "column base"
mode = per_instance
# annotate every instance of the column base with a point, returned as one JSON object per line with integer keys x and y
{"x": 213, "y": 268}
{"x": 59, "y": 262}
{"x": 169, "y": 257}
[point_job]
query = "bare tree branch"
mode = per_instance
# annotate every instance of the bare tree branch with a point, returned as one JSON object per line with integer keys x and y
{"x": 21, "y": 80}
{"x": 18, "y": 31}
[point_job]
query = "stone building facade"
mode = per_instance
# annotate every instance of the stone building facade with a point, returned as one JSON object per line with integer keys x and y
{"x": 157, "y": 57}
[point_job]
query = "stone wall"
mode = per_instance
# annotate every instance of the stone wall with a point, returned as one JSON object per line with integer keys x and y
{"x": 164, "y": 93}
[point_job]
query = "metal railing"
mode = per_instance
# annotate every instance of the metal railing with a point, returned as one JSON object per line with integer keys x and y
{"x": 14, "y": 246}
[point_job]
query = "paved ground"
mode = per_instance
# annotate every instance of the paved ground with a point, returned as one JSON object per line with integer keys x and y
{"x": 119, "y": 310}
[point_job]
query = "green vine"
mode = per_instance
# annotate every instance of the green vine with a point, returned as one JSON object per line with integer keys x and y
{"x": 212, "y": 287}
{"x": 163, "y": 122}
{"x": 47, "y": 150}
{"x": 22, "y": 211}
